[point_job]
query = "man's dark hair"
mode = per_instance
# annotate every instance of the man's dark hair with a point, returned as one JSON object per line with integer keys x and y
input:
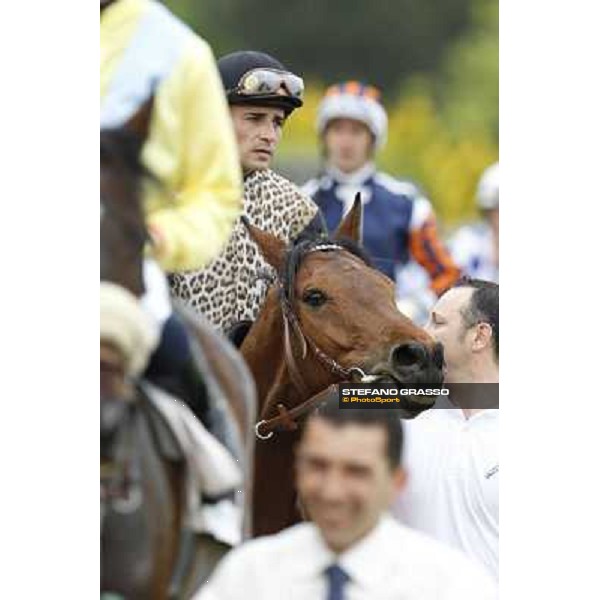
{"x": 483, "y": 307}
{"x": 387, "y": 419}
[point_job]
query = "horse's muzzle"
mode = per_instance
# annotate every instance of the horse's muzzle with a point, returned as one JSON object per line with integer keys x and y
{"x": 416, "y": 363}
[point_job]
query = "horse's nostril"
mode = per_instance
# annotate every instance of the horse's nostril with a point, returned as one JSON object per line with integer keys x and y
{"x": 408, "y": 355}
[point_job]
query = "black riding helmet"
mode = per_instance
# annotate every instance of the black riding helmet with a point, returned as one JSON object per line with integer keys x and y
{"x": 244, "y": 87}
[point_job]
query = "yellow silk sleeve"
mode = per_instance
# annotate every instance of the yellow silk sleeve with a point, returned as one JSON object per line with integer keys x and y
{"x": 192, "y": 151}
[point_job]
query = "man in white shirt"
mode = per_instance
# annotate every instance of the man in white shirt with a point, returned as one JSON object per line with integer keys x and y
{"x": 347, "y": 472}
{"x": 451, "y": 454}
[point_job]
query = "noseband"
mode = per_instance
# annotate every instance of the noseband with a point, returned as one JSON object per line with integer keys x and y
{"x": 286, "y": 419}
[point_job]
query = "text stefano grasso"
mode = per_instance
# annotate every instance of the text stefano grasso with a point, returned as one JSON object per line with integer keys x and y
{"x": 421, "y": 391}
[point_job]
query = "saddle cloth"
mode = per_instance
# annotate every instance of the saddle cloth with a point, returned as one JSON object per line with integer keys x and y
{"x": 211, "y": 470}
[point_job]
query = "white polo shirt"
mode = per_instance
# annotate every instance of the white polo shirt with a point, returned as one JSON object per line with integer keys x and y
{"x": 452, "y": 487}
{"x": 392, "y": 562}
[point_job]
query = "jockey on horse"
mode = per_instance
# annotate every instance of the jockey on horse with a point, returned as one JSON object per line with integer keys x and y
{"x": 262, "y": 94}
{"x": 161, "y": 100}
{"x": 154, "y": 67}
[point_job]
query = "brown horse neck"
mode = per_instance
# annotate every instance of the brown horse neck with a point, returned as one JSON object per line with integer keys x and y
{"x": 264, "y": 353}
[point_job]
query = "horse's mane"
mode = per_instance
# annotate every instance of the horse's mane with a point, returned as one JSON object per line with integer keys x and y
{"x": 298, "y": 251}
{"x": 120, "y": 153}
{"x": 121, "y": 147}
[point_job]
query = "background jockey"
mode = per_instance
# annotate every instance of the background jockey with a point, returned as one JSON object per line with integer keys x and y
{"x": 475, "y": 247}
{"x": 399, "y": 222}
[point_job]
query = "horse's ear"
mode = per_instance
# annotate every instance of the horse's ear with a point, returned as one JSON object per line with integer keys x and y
{"x": 271, "y": 247}
{"x": 351, "y": 225}
{"x": 139, "y": 122}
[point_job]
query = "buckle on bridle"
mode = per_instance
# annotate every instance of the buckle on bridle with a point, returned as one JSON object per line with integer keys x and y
{"x": 259, "y": 435}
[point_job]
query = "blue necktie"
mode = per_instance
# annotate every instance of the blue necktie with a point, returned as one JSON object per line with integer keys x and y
{"x": 337, "y": 578}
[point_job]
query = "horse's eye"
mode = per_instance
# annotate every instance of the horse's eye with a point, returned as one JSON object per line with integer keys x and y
{"x": 314, "y": 298}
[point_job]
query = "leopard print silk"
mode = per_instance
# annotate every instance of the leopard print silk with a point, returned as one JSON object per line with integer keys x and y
{"x": 229, "y": 289}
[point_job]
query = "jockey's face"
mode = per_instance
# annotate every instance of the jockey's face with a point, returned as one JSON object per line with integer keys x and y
{"x": 348, "y": 144}
{"x": 258, "y": 132}
{"x": 344, "y": 479}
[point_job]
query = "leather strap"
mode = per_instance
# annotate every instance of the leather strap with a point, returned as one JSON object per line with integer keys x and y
{"x": 287, "y": 419}
{"x": 291, "y": 320}
{"x": 289, "y": 352}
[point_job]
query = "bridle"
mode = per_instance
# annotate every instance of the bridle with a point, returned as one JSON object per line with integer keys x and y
{"x": 286, "y": 419}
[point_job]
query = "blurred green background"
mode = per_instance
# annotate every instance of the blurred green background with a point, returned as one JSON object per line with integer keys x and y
{"x": 436, "y": 62}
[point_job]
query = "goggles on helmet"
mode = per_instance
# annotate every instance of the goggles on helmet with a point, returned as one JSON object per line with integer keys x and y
{"x": 266, "y": 82}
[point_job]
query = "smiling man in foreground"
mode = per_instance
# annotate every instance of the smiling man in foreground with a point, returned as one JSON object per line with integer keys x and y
{"x": 348, "y": 468}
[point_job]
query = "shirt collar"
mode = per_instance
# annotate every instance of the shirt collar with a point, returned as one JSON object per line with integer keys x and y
{"x": 365, "y": 562}
{"x": 357, "y": 177}
{"x": 458, "y": 415}
{"x": 485, "y": 415}
{"x": 318, "y": 556}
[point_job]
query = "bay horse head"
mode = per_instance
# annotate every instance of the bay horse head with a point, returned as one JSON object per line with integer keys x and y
{"x": 141, "y": 492}
{"x": 329, "y": 317}
{"x": 338, "y": 318}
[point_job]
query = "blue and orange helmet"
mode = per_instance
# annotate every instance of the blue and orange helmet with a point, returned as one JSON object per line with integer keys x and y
{"x": 354, "y": 100}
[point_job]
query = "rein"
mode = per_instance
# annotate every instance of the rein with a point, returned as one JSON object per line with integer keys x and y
{"x": 286, "y": 419}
